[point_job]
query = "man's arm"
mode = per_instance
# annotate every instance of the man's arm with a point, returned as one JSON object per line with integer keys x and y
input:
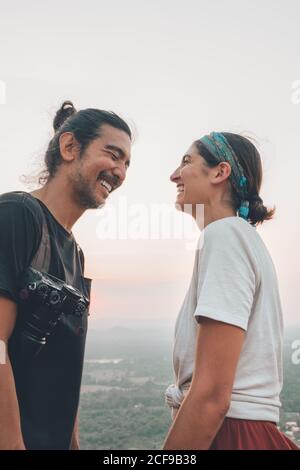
{"x": 205, "y": 406}
{"x": 10, "y": 427}
{"x": 75, "y": 435}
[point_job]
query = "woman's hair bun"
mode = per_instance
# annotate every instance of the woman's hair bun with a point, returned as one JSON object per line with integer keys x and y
{"x": 66, "y": 110}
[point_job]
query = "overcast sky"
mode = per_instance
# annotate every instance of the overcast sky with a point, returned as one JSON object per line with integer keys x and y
{"x": 174, "y": 70}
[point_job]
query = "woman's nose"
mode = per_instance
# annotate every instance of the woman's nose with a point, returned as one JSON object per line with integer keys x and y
{"x": 174, "y": 176}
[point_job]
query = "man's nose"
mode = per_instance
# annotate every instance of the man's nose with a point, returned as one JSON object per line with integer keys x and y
{"x": 120, "y": 172}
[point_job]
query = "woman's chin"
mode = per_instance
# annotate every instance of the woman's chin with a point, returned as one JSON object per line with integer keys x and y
{"x": 179, "y": 206}
{"x": 179, "y": 203}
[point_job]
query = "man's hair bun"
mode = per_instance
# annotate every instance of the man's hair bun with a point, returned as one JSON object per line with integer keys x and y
{"x": 66, "y": 110}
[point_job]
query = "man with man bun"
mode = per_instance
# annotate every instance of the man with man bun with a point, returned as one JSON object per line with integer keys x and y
{"x": 44, "y": 328}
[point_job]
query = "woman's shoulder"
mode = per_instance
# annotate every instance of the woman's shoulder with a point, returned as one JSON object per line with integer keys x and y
{"x": 234, "y": 235}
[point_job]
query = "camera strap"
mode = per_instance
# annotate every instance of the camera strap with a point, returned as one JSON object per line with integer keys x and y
{"x": 42, "y": 257}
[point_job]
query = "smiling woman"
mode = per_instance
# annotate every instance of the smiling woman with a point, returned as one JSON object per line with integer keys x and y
{"x": 228, "y": 335}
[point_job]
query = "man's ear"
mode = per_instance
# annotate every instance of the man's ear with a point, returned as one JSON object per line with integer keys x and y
{"x": 68, "y": 146}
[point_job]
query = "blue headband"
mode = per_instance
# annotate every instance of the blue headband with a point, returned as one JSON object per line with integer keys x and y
{"x": 217, "y": 144}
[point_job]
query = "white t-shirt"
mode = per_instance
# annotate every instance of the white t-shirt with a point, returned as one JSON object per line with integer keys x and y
{"x": 234, "y": 281}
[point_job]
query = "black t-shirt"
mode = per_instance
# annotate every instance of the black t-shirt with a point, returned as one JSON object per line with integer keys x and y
{"x": 48, "y": 385}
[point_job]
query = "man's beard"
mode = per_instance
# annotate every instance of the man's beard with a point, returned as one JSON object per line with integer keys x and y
{"x": 83, "y": 194}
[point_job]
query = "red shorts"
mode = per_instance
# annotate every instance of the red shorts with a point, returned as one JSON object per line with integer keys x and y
{"x": 244, "y": 434}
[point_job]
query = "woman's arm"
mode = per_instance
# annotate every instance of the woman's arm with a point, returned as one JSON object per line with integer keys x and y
{"x": 205, "y": 406}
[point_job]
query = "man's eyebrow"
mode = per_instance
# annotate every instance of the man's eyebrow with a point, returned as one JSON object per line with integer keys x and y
{"x": 117, "y": 149}
{"x": 186, "y": 155}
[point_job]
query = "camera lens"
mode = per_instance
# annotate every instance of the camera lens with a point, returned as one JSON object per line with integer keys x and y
{"x": 54, "y": 297}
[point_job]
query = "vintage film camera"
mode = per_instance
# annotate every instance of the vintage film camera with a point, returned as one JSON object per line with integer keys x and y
{"x": 46, "y": 299}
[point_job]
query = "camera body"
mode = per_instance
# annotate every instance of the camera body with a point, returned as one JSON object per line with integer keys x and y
{"x": 46, "y": 299}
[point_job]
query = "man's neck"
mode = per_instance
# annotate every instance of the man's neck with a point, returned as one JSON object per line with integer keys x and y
{"x": 60, "y": 203}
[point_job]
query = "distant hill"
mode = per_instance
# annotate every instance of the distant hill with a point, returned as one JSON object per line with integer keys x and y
{"x": 125, "y": 342}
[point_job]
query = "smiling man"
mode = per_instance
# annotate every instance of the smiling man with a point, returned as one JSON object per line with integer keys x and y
{"x": 40, "y": 381}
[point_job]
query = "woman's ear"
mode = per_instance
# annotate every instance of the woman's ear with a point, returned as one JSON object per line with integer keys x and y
{"x": 223, "y": 171}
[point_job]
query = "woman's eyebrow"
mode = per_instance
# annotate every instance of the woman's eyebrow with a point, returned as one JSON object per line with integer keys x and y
{"x": 186, "y": 155}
